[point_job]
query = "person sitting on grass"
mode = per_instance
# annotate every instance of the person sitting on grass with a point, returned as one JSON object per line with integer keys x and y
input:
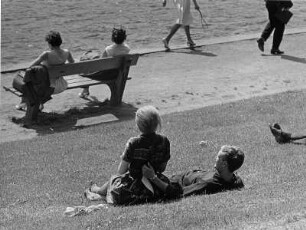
{"x": 195, "y": 182}
{"x": 129, "y": 186}
{"x": 119, "y": 47}
{"x": 54, "y": 56}
{"x": 284, "y": 137}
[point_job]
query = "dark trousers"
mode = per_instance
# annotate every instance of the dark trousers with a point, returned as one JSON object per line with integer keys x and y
{"x": 273, "y": 24}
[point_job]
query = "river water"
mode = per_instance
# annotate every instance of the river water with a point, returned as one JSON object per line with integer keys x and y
{"x": 87, "y": 24}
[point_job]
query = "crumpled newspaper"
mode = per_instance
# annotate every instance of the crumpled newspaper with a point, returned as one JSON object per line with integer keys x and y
{"x": 83, "y": 210}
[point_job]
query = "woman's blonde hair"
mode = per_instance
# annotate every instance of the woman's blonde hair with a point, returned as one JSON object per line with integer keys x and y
{"x": 148, "y": 119}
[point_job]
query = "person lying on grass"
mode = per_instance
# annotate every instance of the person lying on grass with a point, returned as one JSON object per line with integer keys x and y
{"x": 129, "y": 186}
{"x": 284, "y": 137}
{"x": 195, "y": 182}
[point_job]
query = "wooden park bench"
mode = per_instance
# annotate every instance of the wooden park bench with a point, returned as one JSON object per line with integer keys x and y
{"x": 112, "y": 71}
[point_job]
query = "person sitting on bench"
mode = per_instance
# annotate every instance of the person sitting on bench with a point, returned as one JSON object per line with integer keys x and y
{"x": 119, "y": 47}
{"x": 54, "y": 56}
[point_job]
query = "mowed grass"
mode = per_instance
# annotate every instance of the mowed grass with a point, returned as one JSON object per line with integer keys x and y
{"x": 43, "y": 176}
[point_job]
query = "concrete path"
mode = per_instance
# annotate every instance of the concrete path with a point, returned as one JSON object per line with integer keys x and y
{"x": 217, "y": 72}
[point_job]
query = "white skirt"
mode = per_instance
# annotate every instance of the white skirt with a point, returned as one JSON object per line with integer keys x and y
{"x": 183, "y": 9}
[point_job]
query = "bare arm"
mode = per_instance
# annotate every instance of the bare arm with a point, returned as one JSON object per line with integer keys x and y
{"x": 148, "y": 172}
{"x": 70, "y": 58}
{"x": 104, "y": 54}
{"x": 40, "y": 58}
{"x": 196, "y": 6}
{"x": 123, "y": 167}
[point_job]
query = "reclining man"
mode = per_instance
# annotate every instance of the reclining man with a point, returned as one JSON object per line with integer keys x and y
{"x": 228, "y": 160}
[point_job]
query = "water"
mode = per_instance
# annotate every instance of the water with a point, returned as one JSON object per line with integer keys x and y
{"x": 87, "y": 24}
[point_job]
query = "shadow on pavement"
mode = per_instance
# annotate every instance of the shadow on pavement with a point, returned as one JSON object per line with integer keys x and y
{"x": 295, "y": 59}
{"x": 196, "y": 52}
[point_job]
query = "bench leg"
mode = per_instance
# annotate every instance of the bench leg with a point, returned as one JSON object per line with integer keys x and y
{"x": 31, "y": 113}
{"x": 117, "y": 89}
{"x": 116, "y": 96}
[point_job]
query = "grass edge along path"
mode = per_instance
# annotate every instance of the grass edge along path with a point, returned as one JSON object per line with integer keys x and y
{"x": 42, "y": 176}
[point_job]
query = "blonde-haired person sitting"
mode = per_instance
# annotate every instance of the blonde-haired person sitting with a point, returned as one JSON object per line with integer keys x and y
{"x": 147, "y": 148}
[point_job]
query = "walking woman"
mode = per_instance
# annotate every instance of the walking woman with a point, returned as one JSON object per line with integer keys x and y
{"x": 184, "y": 20}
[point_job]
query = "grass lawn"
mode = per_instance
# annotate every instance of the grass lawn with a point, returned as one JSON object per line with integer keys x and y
{"x": 43, "y": 176}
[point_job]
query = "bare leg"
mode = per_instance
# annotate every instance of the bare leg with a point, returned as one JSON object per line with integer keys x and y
{"x": 100, "y": 190}
{"x": 187, "y": 32}
{"x": 173, "y": 30}
{"x": 167, "y": 39}
{"x": 96, "y": 193}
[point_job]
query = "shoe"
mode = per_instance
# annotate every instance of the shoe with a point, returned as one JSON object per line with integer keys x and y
{"x": 93, "y": 187}
{"x": 261, "y": 44}
{"x": 84, "y": 95}
{"x": 280, "y": 136}
{"x": 22, "y": 106}
{"x": 191, "y": 44}
{"x": 166, "y": 45}
{"x": 92, "y": 196}
{"x": 277, "y": 52}
{"x": 41, "y": 107}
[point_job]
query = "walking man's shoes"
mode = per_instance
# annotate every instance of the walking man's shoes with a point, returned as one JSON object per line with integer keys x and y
{"x": 277, "y": 52}
{"x": 261, "y": 43}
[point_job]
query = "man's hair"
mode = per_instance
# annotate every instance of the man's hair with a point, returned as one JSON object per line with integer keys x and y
{"x": 148, "y": 119}
{"x": 118, "y": 35}
{"x": 54, "y": 38}
{"x": 233, "y": 156}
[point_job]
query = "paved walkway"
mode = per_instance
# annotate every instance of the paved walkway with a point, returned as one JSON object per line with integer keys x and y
{"x": 216, "y": 72}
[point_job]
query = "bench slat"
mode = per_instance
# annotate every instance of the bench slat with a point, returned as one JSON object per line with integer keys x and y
{"x": 87, "y": 67}
{"x": 82, "y": 84}
{"x": 13, "y": 90}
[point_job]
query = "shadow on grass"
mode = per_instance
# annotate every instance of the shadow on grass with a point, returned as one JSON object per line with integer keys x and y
{"x": 95, "y": 112}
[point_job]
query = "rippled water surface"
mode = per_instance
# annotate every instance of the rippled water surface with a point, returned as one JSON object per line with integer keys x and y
{"x": 87, "y": 24}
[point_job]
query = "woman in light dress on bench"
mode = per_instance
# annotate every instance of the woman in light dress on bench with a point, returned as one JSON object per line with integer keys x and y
{"x": 119, "y": 47}
{"x": 54, "y": 56}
